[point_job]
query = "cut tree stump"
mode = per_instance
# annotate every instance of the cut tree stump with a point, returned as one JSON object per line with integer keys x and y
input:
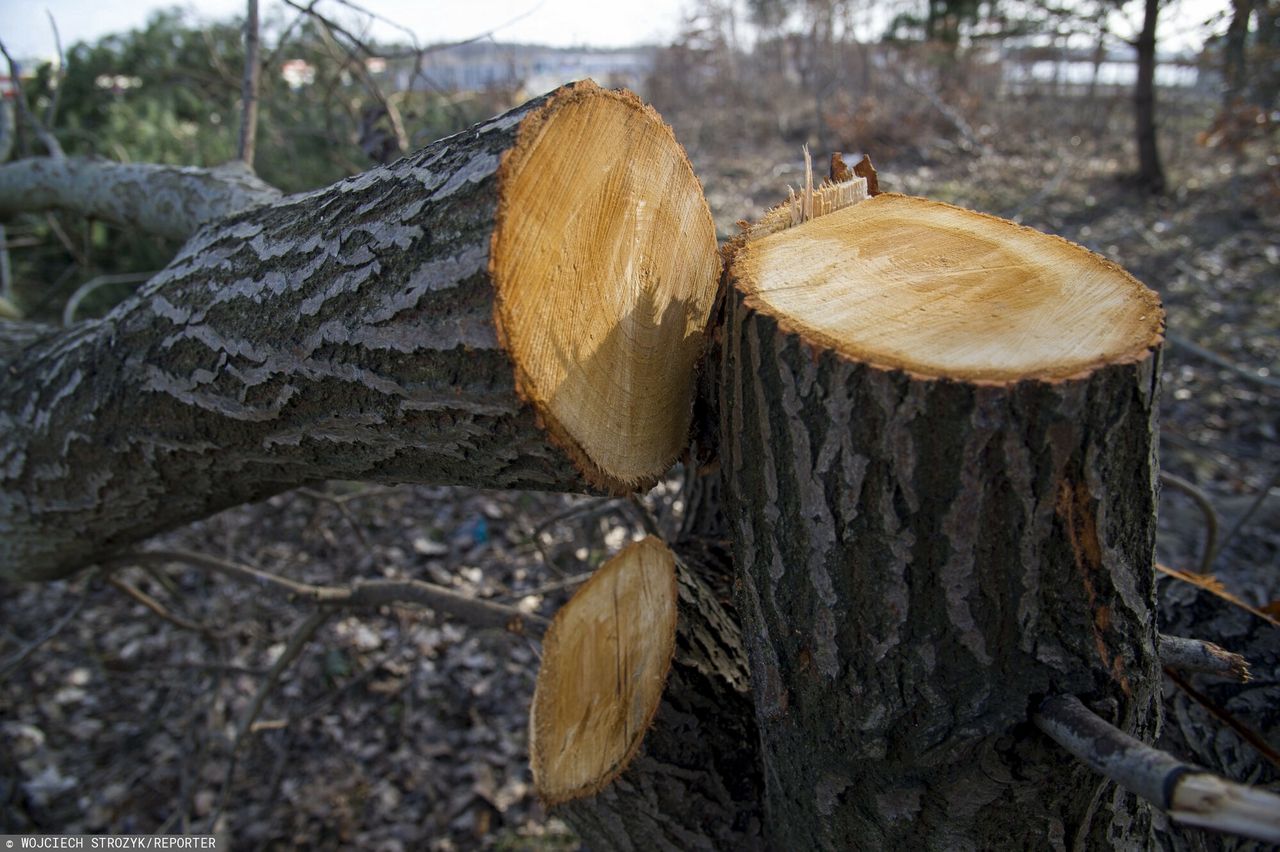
{"x": 517, "y": 306}
{"x": 642, "y": 734}
{"x": 937, "y": 434}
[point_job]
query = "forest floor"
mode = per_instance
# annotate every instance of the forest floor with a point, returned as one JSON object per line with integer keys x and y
{"x": 399, "y": 730}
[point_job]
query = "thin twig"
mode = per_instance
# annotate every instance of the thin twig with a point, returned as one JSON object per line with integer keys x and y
{"x": 156, "y": 607}
{"x": 249, "y": 93}
{"x": 1240, "y": 522}
{"x": 11, "y": 665}
{"x": 1214, "y": 358}
{"x": 1244, "y": 731}
{"x": 1197, "y": 655}
{"x": 362, "y": 594}
{"x": 1206, "y": 508}
{"x": 301, "y": 637}
{"x": 647, "y": 520}
{"x": 82, "y": 292}
{"x": 51, "y": 113}
{"x": 1188, "y": 793}
{"x": 49, "y": 141}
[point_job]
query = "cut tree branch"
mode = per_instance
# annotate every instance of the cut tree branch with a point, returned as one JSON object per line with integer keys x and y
{"x": 168, "y": 201}
{"x": 1189, "y": 794}
{"x": 1197, "y": 655}
{"x": 448, "y": 319}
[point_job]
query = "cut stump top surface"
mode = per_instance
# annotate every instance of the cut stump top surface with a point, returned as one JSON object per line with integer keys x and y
{"x": 921, "y": 286}
{"x": 605, "y": 262}
{"x": 604, "y": 666}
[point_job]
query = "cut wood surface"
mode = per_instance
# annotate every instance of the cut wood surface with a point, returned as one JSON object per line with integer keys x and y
{"x": 516, "y": 306}
{"x": 938, "y": 449}
{"x": 605, "y": 660}
{"x": 642, "y": 731}
{"x": 918, "y": 285}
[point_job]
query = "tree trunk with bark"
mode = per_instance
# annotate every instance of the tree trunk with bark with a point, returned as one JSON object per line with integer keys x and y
{"x": 938, "y": 449}
{"x": 421, "y": 322}
{"x": 642, "y": 733}
{"x": 1150, "y": 171}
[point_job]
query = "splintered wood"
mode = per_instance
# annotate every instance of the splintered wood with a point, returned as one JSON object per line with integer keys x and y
{"x": 810, "y": 202}
{"x": 929, "y": 288}
{"x": 605, "y": 661}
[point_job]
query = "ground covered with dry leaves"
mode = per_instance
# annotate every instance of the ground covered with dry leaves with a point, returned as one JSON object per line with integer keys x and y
{"x": 396, "y": 729}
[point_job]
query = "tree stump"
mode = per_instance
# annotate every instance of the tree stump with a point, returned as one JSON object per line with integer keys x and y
{"x": 516, "y": 306}
{"x": 937, "y": 432}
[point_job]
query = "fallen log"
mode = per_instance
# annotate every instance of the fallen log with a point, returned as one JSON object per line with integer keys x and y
{"x": 938, "y": 456}
{"x": 516, "y": 306}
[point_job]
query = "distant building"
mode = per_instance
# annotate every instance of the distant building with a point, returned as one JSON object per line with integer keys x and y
{"x": 530, "y": 68}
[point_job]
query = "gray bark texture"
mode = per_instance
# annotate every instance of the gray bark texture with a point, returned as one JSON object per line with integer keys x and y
{"x": 921, "y": 562}
{"x": 345, "y": 333}
{"x": 696, "y": 782}
{"x": 169, "y": 201}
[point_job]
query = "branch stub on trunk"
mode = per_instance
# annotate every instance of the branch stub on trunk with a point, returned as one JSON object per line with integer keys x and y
{"x": 605, "y": 661}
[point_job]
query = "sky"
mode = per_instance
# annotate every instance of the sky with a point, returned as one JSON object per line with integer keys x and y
{"x": 24, "y": 24}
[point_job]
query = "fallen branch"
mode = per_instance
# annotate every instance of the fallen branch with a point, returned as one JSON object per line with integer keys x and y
{"x": 1196, "y": 655}
{"x": 361, "y": 594}
{"x": 156, "y": 607}
{"x": 1206, "y": 508}
{"x": 1217, "y": 360}
{"x": 11, "y": 665}
{"x": 168, "y": 201}
{"x": 1189, "y": 794}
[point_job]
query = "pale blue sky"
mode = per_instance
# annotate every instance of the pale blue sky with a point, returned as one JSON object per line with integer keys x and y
{"x": 24, "y": 25}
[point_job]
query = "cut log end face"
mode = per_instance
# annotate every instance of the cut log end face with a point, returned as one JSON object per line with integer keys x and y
{"x": 605, "y": 661}
{"x": 916, "y": 285}
{"x": 605, "y": 262}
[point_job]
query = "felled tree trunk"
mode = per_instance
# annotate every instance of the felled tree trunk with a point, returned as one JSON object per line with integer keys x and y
{"x": 517, "y": 306}
{"x": 642, "y": 734}
{"x": 937, "y": 433}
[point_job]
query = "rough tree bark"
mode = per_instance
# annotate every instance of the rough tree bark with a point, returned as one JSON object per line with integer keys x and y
{"x": 1150, "y": 171}
{"x": 933, "y": 535}
{"x": 415, "y": 323}
{"x": 686, "y": 775}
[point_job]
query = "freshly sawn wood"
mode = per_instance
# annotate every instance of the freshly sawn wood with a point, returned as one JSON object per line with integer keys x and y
{"x": 937, "y": 433}
{"x": 641, "y": 733}
{"x": 517, "y": 306}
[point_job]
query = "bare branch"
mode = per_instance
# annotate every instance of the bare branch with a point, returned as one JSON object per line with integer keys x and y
{"x": 297, "y": 643}
{"x": 1206, "y": 508}
{"x": 46, "y": 138}
{"x": 51, "y": 113}
{"x": 156, "y": 607}
{"x": 11, "y": 665}
{"x": 1189, "y": 794}
{"x": 82, "y": 292}
{"x": 332, "y": 29}
{"x": 249, "y": 94}
{"x": 1244, "y": 519}
{"x": 1197, "y": 655}
{"x": 169, "y": 201}
{"x": 1217, "y": 360}
{"x": 1227, "y": 718}
{"x": 362, "y": 593}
